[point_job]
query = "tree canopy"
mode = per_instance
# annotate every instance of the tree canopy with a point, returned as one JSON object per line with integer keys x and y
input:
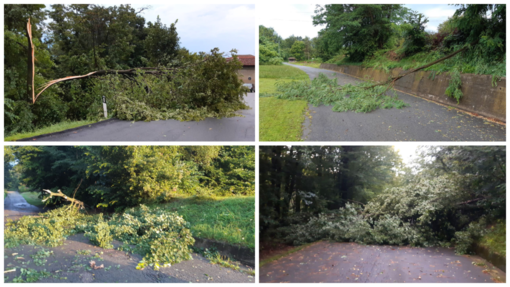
{"x": 74, "y": 40}
{"x": 368, "y": 195}
{"x": 125, "y": 176}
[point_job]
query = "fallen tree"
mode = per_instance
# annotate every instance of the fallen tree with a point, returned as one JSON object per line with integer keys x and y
{"x": 363, "y": 97}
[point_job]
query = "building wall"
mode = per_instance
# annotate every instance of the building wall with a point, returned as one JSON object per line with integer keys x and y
{"x": 247, "y": 72}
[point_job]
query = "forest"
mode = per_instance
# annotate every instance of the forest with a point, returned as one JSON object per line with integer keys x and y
{"x": 446, "y": 196}
{"x": 382, "y": 35}
{"x": 119, "y": 177}
{"x": 142, "y": 70}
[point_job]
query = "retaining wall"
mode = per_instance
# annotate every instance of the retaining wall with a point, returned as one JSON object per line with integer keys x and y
{"x": 480, "y": 97}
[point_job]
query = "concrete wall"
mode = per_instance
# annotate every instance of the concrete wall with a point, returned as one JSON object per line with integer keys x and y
{"x": 247, "y": 72}
{"x": 480, "y": 97}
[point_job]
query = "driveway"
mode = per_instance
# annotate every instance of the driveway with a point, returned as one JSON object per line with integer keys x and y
{"x": 420, "y": 121}
{"x": 15, "y": 207}
{"x": 210, "y": 129}
{"x": 330, "y": 262}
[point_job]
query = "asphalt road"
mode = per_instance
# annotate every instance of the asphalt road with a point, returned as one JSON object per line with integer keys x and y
{"x": 330, "y": 262}
{"x": 66, "y": 265}
{"x": 210, "y": 129}
{"x": 15, "y": 207}
{"x": 421, "y": 121}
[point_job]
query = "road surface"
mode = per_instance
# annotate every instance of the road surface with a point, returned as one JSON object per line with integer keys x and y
{"x": 66, "y": 265}
{"x": 421, "y": 121}
{"x": 353, "y": 263}
{"x": 15, "y": 207}
{"x": 210, "y": 129}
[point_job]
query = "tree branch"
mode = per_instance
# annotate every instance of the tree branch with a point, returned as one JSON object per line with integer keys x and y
{"x": 74, "y": 201}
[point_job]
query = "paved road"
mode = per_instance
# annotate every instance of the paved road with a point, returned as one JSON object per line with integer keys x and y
{"x": 66, "y": 265}
{"x": 350, "y": 262}
{"x": 421, "y": 121}
{"x": 210, "y": 129}
{"x": 15, "y": 207}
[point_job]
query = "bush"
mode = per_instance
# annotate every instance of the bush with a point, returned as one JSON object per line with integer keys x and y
{"x": 162, "y": 237}
{"x": 101, "y": 235}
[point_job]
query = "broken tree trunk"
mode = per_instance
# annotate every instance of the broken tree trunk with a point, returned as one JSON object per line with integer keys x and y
{"x": 394, "y": 79}
{"x": 150, "y": 71}
{"x": 30, "y": 63}
{"x": 75, "y": 202}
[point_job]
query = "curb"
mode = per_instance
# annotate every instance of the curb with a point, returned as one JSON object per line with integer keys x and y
{"x": 64, "y": 131}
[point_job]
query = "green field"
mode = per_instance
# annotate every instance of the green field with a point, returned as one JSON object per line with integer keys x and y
{"x": 51, "y": 129}
{"x": 227, "y": 219}
{"x": 495, "y": 239}
{"x": 280, "y": 120}
{"x": 32, "y": 198}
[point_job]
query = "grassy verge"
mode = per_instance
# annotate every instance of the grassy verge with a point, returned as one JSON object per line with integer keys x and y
{"x": 227, "y": 219}
{"x": 385, "y": 60}
{"x": 32, "y": 198}
{"x": 495, "y": 240}
{"x": 51, "y": 129}
{"x": 5, "y": 193}
{"x": 276, "y": 257}
{"x": 281, "y": 72}
{"x": 280, "y": 120}
{"x": 309, "y": 64}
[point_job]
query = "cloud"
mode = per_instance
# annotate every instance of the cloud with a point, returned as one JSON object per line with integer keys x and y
{"x": 288, "y": 19}
{"x": 203, "y": 27}
{"x": 438, "y": 12}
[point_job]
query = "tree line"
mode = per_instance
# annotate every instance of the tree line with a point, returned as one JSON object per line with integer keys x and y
{"x": 113, "y": 177}
{"x": 77, "y": 39}
{"x": 358, "y": 32}
{"x": 448, "y": 195}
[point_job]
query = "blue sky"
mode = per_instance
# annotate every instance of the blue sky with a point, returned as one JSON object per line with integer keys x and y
{"x": 202, "y": 27}
{"x": 297, "y": 18}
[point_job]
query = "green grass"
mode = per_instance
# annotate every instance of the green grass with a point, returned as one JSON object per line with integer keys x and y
{"x": 32, "y": 198}
{"x": 281, "y": 120}
{"x": 281, "y": 72}
{"x": 381, "y": 61}
{"x": 495, "y": 240}
{"x": 267, "y": 86}
{"x": 5, "y": 193}
{"x": 51, "y": 129}
{"x": 227, "y": 219}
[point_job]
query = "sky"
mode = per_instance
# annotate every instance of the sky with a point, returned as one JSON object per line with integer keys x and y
{"x": 202, "y": 27}
{"x": 297, "y": 19}
{"x": 407, "y": 152}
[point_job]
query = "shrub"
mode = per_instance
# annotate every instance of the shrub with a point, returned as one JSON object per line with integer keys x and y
{"x": 162, "y": 237}
{"x": 101, "y": 235}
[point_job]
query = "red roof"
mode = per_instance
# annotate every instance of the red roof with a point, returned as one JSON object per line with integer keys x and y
{"x": 246, "y": 60}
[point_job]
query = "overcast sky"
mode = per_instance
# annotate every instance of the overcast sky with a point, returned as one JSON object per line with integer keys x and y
{"x": 202, "y": 27}
{"x": 296, "y": 19}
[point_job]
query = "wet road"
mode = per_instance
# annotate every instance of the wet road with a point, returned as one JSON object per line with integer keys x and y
{"x": 15, "y": 207}
{"x": 421, "y": 121}
{"x": 210, "y": 129}
{"x": 351, "y": 263}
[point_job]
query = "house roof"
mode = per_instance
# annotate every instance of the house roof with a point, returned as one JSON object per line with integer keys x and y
{"x": 246, "y": 60}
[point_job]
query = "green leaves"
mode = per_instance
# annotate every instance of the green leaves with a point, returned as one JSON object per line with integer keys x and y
{"x": 324, "y": 91}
